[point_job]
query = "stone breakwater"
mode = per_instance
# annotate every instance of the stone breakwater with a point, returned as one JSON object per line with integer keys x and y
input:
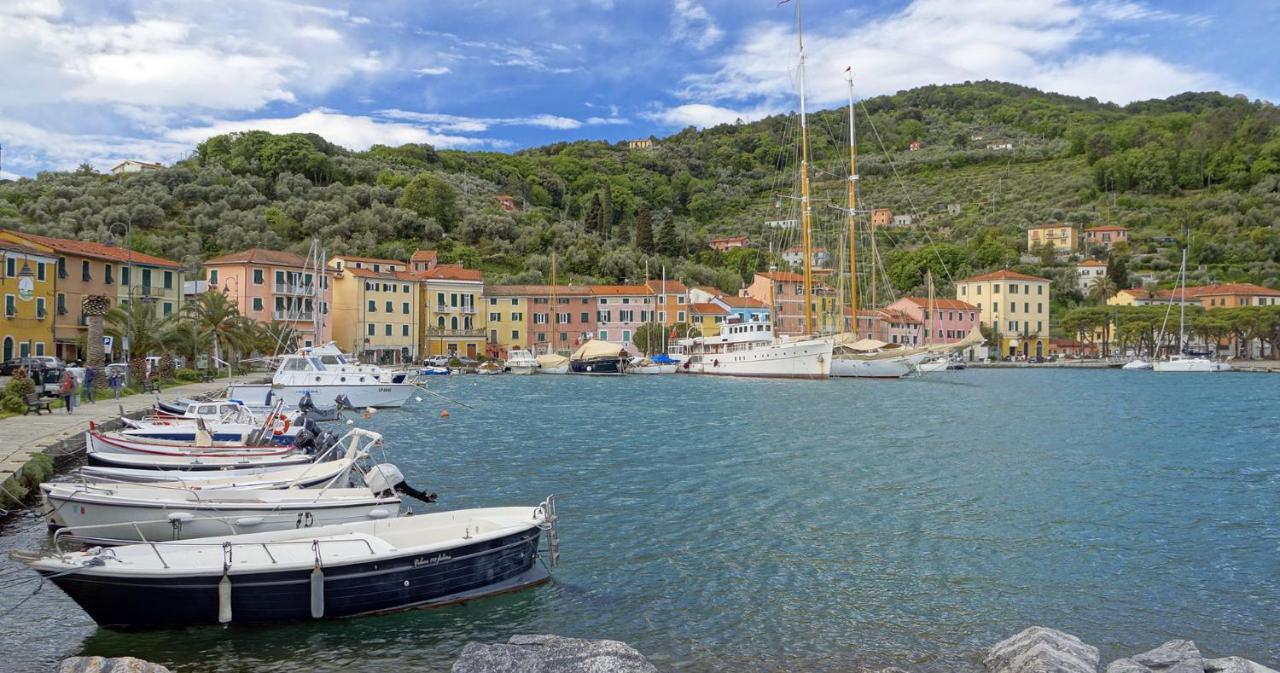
{"x": 1034, "y": 650}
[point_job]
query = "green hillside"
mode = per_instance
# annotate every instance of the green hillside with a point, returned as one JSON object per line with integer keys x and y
{"x": 1202, "y": 161}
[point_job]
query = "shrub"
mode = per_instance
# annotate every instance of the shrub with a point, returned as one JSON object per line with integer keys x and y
{"x": 20, "y": 385}
{"x": 12, "y": 403}
{"x": 186, "y": 375}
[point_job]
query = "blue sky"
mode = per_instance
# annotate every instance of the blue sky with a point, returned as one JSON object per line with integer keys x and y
{"x": 100, "y": 81}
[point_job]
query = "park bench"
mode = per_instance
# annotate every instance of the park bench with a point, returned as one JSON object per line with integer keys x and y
{"x": 37, "y": 404}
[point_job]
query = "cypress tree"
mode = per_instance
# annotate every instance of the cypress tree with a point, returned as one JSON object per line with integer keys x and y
{"x": 644, "y": 230}
{"x": 668, "y": 241}
{"x": 594, "y": 219}
{"x": 606, "y": 206}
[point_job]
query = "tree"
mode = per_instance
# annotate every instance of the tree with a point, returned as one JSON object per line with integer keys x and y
{"x": 650, "y": 338}
{"x": 594, "y": 219}
{"x": 644, "y": 230}
{"x": 606, "y": 209}
{"x": 668, "y": 240}
{"x": 1118, "y": 271}
{"x": 218, "y": 319}
{"x": 1101, "y": 289}
{"x": 428, "y": 195}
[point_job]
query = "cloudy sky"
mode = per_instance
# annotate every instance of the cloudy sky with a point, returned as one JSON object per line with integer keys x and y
{"x": 103, "y": 80}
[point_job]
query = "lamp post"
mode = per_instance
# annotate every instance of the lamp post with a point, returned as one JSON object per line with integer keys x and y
{"x": 127, "y": 226}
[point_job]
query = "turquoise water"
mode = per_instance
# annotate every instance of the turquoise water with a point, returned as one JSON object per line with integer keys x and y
{"x": 725, "y": 525}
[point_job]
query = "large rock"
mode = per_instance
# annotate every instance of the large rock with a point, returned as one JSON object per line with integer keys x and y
{"x": 1041, "y": 650}
{"x": 1175, "y": 656}
{"x": 109, "y": 665}
{"x": 1235, "y": 665}
{"x": 552, "y": 654}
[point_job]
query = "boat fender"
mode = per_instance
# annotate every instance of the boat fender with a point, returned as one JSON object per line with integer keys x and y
{"x": 379, "y": 513}
{"x": 317, "y": 584}
{"x": 224, "y": 586}
{"x": 249, "y": 521}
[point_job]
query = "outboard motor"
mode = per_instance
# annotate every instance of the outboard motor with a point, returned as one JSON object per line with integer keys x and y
{"x": 305, "y": 440}
{"x": 305, "y": 403}
{"x": 385, "y": 478}
{"x": 343, "y": 404}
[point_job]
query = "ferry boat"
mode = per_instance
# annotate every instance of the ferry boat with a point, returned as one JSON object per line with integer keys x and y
{"x": 750, "y": 349}
{"x": 325, "y": 374}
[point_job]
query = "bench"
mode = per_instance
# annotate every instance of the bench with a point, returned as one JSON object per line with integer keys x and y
{"x": 37, "y": 404}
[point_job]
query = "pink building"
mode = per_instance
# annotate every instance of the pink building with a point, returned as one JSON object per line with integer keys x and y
{"x": 621, "y": 310}
{"x": 899, "y": 327}
{"x": 953, "y": 321}
{"x": 272, "y": 285}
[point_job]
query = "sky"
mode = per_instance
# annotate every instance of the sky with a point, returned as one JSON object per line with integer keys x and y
{"x": 100, "y": 81}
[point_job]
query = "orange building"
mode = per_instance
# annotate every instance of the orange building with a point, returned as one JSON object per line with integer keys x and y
{"x": 274, "y": 285}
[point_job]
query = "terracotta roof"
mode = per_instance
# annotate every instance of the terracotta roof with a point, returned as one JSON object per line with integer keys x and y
{"x": 1051, "y": 225}
{"x": 942, "y": 303}
{"x": 741, "y": 302}
{"x": 423, "y": 256}
{"x": 368, "y": 260}
{"x": 18, "y": 246}
{"x": 384, "y": 275}
{"x": 536, "y": 290}
{"x": 1230, "y": 289}
{"x": 1107, "y": 227}
{"x": 783, "y": 276}
{"x": 1136, "y": 292}
{"x": 672, "y": 287}
{"x": 1003, "y": 274}
{"x": 620, "y": 290}
{"x": 112, "y": 253}
{"x": 1092, "y": 262}
{"x": 897, "y": 316}
{"x": 260, "y": 256}
{"x": 452, "y": 272}
{"x": 713, "y": 309}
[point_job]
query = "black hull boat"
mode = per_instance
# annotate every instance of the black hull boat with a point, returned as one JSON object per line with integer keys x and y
{"x": 598, "y": 367}
{"x": 323, "y": 572}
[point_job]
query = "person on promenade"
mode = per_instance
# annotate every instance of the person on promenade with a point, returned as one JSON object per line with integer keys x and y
{"x": 114, "y": 380}
{"x": 77, "y": 372}
{"x": 67, "y": 388}
{"x": 90, "y": 376}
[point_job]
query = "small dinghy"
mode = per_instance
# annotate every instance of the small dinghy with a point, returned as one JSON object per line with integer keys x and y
{"x": 195, "y": 461}
{"x": 98, "y": 442}
{"x": 309, "y": 573}
{"x": 302, "y": 476}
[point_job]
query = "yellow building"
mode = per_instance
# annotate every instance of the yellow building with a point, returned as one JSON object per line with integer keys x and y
{"x": 452, "y": 322}
{"x": 29, "y": 276}
{"x": 1014, "y": 306}
{"x": 376, "y": 314}
{"x": 708, "y": 317}
{"x": 1061, "y": 236}
{"x": 506, "y": 318}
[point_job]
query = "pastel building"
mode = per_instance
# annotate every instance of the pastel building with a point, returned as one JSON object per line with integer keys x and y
{"x": 1061, "y": 237}
{"x": 783, "y": 293}
{"x": 561, "y": 323}
{"x": 506, "y": 310}
{"x": 1016, "y": 308}
{"x": 708, "y": 317}
{"x": 27, "y": 279}
{"x": 621, "y": 310}
{"x": 1106, "y": 235}
{"x": 375, "y": 309}
{"x": 452, "y": 320}
{"x": 274, "y": 285}
{"x": 950, "y": 321}
{"x": 671, "y": 299}
{"x": 1088, "y": 272}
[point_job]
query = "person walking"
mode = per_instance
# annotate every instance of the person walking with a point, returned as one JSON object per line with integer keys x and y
{"x": 114, "y": 380}
{"x": 90, "y": 376}
{"x": 77, "y": 372}
{"x": 67, "y": 389}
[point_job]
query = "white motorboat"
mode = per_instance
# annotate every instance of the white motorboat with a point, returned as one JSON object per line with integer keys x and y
{"x": 750, "y": 349}
{"x": 932, "y": 366}
{"x": 188, "y": 431}
{"x": 551, "y": 363}
{"x": 195, "y": 462}
{"x": 303, "y": 476}
{"x": 489, "y": 368}
{"x": 658, "y": 364}
{"x": 343, "y": 570}
{"x": 306, "y": 373}
{"x": 98, "y": 442}
{"x": 1189, "y": 363}
{"x": 1138, "y": 364}
{"x": 521, "y": 362}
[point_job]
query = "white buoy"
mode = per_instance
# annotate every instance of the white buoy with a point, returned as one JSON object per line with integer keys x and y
{"x": 317, "y": 592}
{"x": 417, "y": 397}
{"x": 224, "y": 600}
{"x": 350, "y": 422}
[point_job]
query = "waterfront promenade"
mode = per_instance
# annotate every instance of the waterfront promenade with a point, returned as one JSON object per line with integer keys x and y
{"x": 22, "y": 437}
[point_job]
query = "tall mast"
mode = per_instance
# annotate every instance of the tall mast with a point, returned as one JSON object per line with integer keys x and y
{"x": 931, "y": 309}
{"x": 554, "y": 305}
{"x": 804, "y": 186}
{"x": 853, "y": 223}
{"x": 1182, "y": 301}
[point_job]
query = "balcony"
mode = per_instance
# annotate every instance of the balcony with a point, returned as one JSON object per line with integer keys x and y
{"x": 470, "y": 310}
{"x": 307, "y": 316}
{"x": 457, "y": 333}
{"x": 290, "y": 288}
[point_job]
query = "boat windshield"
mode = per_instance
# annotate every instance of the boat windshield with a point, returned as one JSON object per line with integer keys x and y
{"x": 332, "y": 360}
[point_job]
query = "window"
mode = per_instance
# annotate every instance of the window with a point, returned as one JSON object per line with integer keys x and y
{"x": 515, "y": 317}
{"x": 440, "y": 299}
{"x": 40, "y": 307}
{"x": 979, "y": 289}
{"x": 373, "y": 306}
{"x": 168, "y": 308}
{"x": 1013, "y": 289}
{"x": 515, "y": 334}
{"x": 1039, "y": 289}
{"x": 405, "y": 288}
{"x": 146, "y": 278}
{"x": 387, "y": 329}
{"x": 1013, "y": 326}
{"x": 515, "y": 302}
{"x": 539, "y": 318}
{"x": 40, "y": 348}
{"x": 1026, "y": 307}
{"x": 390, "y": 307}
{"x": 84, "y": 270}
{"x": 564, "y": 318}
{"x": 453, "y": 322}
{"x": 604, "y": 316}
{"x": 1026, "y": 289}
{"x": 995, "y": 289}
{"x": 108, "y": 275}
{"x": 542, "y": 337}
{"x": 62, "y": 304}
{"x": 259, "y": 277}
{"x": 495, "y": 317}
{"x": 604, "y": 300}
{"x": 39, "y": 270}
{"x": 626, "y": 316}
{"x": 404, "y": 330}
{"x": 62, "y": 268}
{"x": 257, "y": 303}
{"x": 584, "y": 317}
{"x": 1013, "y": 307}
{"x": 371, "y": 327}
{"x": 604, "y": 335}
{"x": 626, "y": 335}
{"x": 680, "y": 316}
{"x": 493, "y": 301}
{"x": 964, "y": 290}
{"x": 10, "y": 307}
{"x": 11, "y": 267}
{"x": 453, "y": 299}
{"x": 404, "y": 308}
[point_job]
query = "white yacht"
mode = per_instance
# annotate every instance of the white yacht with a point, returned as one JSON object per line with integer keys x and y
{"x": 326, "y": 374}
{"x": 1185, "y": 362}
{"x": 521, "y": 361}
{"x": 750, "y": 349}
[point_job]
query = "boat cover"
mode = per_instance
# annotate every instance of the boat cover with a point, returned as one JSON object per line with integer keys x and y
{"x": 552, "y": 360}
{"x": 597, "y": 348}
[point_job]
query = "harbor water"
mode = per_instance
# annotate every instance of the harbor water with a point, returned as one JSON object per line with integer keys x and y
{"x": 729, "y": 525}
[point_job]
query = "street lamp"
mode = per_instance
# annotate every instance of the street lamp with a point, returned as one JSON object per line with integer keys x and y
{"x": 127, "y": 227}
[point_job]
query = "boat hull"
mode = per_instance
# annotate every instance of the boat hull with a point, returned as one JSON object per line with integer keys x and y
{"x": 604, "y": 367}
{"x": 1189, "y": 366}
{"x": 653, "y": 369}
{"x": 870, "y": 369}
{"x": 381, "y": 584}
{"x": 379, "y": 395}
{"x": 522, "y": 369}
{"x": 562, "y": 369}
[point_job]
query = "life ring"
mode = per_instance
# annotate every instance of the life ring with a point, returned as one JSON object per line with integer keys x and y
{"x": 279, "y": 425}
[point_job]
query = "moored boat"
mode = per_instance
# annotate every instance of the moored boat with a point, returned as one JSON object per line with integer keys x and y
{"x": 551, "y": 363}
{"x": 309, "y": 573}
{"x": 521, "y": 362}
{"x": 306, "y": 373}
{"x": 657, "y": 364}
{"x": 599, "y": 358}
{"x": 749, "y": 349}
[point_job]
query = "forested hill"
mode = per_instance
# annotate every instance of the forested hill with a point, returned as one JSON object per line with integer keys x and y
{"x": 1199, "y": 160}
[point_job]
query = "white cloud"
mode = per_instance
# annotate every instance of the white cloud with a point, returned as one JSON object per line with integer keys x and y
{"x": 352, "y": 131}
{"x": 457, "y": 124}
{"x": 29, "y": 148}
{"x": 692, "y": 23}
{"x": 437, "y": 70}
{"x": 1119, "y": 10}
{"x": 1042, "y": 43}
{"x": 701, "y": 115}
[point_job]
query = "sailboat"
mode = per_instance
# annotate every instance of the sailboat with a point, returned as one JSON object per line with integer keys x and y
{"x": 1182, "y": 361}
{"x": 752, "y": 348}
{"x": 552, "y": 362}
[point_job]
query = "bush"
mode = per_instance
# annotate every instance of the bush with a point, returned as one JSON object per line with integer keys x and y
{"x": 20, "y": 385}
{"x": 455, "y": 362}
{"x": 186, "y": 375}
{"x": 12, "y": 403}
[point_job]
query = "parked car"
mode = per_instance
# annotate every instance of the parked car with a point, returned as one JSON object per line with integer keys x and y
{"x": 31, "y": 363}
{"x": 437, "y": 361}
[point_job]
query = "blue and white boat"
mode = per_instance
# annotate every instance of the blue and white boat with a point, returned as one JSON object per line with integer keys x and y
{"x": 309, "y": 573}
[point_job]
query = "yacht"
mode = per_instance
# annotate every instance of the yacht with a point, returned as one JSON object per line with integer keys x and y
{"x": 750, "y": 349}
{"x": 325, "y": 374}
{"x": 521, "y": 361}
{"x": 552, "y": 363}
{"x": 1183, "y": 361}
{"x": 598, "y": 357}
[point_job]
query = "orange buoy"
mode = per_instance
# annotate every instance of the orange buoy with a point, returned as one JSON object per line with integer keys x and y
{"x": 444, "y": 413}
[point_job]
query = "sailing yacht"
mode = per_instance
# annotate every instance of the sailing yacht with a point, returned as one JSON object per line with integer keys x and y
{"x": 1183, "y": 361}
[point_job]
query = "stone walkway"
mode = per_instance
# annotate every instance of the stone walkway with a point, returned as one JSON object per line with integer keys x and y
{"x": 24, "y": 436}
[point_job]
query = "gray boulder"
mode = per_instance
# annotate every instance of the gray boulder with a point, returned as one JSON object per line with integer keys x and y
{"x": 109, "y": 665}
{"x": 1175, "y": 656}
{"x": 1041, "y": 650}
{"x": 1235, "y": 665}
{"x": 552, "y": 654}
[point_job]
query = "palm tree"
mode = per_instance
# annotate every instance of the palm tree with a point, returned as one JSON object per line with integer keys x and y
{"x": 145, "y": 332}
{"x": 276, "y": 337}
{"x": 95, "y": 308}
{"x": 1101, "y": 289}
{"x": 221, "y": 330}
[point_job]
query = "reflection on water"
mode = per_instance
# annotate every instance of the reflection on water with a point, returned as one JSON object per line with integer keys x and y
{"x": 726, "y": 525}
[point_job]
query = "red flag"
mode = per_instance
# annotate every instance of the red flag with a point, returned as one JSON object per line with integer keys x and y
{"x": 673, "y": 333}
